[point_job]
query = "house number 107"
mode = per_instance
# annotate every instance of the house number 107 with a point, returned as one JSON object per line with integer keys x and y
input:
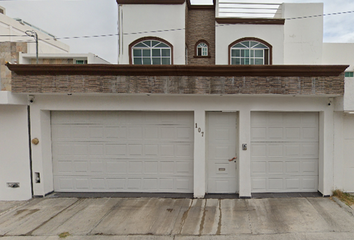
{"x": 200, "y": 131}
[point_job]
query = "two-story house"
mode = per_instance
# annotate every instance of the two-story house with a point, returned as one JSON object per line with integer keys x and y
{"x": 202, "y": 101}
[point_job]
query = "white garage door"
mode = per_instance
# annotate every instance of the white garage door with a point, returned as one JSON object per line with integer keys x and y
{"x": 122, "y": 151}
{"x": 284, "y": 152}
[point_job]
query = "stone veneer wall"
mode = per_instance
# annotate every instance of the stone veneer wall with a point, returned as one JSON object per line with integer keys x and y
{"x": 200, "y": 25}
{"x": 67, "y": 84}
{"x": 9, "y": 52}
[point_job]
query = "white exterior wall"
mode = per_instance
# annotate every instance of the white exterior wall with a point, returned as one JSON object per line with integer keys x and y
{"x": 25, "y": 58}
{"x": 146, "y": 18}
{"x": 14, "y": 150}
{"x": 344, "y": 152}
{"x": 9, "y": 26}
{"x": 337, "y": 53}
{"x": 40, "y": 119}
{"x": 226, "y": 34}
{"x": 303, "y": 38}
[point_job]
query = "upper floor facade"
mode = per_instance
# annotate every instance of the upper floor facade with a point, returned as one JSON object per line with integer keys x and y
{"x": 225, "y": 33}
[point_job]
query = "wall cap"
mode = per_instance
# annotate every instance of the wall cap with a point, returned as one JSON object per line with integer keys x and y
{"x": 178, "y": 70}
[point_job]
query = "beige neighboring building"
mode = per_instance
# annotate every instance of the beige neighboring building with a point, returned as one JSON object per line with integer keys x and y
{"x": 17, "y": 41}
{"x": 63, "y": 58}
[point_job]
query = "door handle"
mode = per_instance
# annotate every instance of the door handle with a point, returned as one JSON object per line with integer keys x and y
{"x": 232, "y": 159}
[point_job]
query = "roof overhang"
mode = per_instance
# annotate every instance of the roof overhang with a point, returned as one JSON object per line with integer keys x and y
{"x": 261, "y": 21}
{"x": 150, "y": 1}
{"x": 178, "y": 70}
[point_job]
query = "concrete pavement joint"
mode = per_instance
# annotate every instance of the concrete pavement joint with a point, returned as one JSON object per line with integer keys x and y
{"x": 218, "y": 231}
{"x": 185, "y": 215}
{"x": 30, "y": 232}
{"x": 104, "y": 216}
{"x": 248, "y": 215}
{"x": 203, "y": 218}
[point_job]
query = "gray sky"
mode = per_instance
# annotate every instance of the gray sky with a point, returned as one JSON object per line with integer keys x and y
{"x": 71, "y": 18}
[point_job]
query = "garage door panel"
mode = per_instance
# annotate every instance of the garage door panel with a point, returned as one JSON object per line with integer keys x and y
{"x": 292, "y": 167}
{"x": 292, "y": 184}
{"x": 259, "y": 150}
{"x": 287, "y": 162}
{"x": 151, "y": 167}
{"x": 275, "y": 133}
{"x": 292, "y": 150}
{"x": 275, "y": 167}
{"x": 117, "y": 166}
{"x": 259, "y": 133}
{"x": 310, "y": 133}
{"x": 275, "y": 184}
{"x": 309, "y": 182}
{"x": 135, "y": 150}
{"x": 184, "y": 133}
{"x": 290, "y": 119}
{"x": 258, "y": 167}
{"x": 310, "y": 119}
{"x": 134, "y": 184}
{"x": 292, "y": 133}
{"x": 115, "y": 150}
{"x": 135, "y": 133}
{"x": 151, "y": 149}
{"x": 97, "y": 166}
{"x": 98, "y": 183}
{"x": 275, "y": 119}
{"x": 259, "y": 119}
{"x": 275, "y": 150}
{"x": 153, "y": 153}
{"x": 116, "y": 183}
{"x": 259, "y": 184}
{"x": 310, "y": 150}
{"x": 310, "y": 167}
{"x": 184, "y": 150}
{"x": 82, "y": 183}
{"x": 167, "y": 150}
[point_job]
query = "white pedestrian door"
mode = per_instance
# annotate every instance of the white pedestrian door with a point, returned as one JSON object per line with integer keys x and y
{"x": 221, "y": 149}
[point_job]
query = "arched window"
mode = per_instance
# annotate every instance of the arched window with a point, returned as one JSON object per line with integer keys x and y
{"x": 250, "y": 52}
{"x": 151, "y": 51}
{"x": 202, "y": 49}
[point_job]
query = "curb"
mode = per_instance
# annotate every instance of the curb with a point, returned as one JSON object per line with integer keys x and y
{"x": 343, "y": 205}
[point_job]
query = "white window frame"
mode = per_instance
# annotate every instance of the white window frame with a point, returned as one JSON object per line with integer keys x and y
{"x": 247, "y": 52}
{"x": 151, "y": 46}
{"x": 204, "y": 50}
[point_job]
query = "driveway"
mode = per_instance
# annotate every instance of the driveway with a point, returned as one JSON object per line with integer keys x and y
{"x": 167, "y": 218}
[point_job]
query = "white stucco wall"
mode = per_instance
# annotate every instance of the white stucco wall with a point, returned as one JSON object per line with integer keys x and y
{"x": 26, "y": 58}
{"x": 337, "y": 53}
{"x": 344, "y": 152}
{"x": 137, "y": 18}
{"x": 15, "y": 161}
{"x": 40, "y": 120}
{"x": 303, "y": 37}
{"x": 226, "y": 34}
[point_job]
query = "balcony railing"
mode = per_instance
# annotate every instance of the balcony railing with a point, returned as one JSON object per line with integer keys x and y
{"x": 232, "y": 8}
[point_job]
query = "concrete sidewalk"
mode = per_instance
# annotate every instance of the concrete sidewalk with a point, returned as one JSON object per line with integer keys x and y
{"x": 166, "y": 218}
